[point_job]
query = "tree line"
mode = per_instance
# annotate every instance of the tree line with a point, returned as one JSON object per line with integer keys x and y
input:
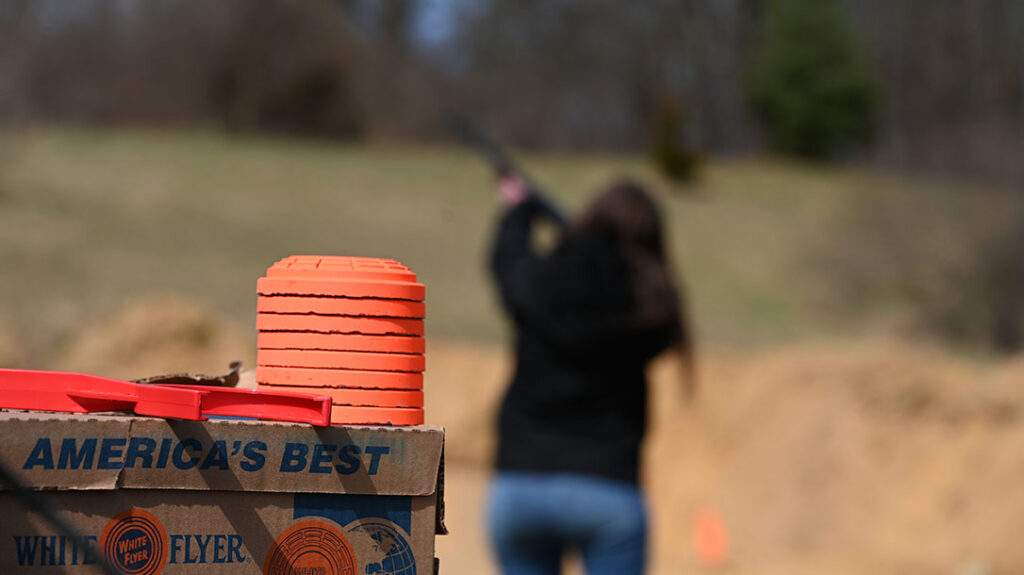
{"x": 927, "y": 84}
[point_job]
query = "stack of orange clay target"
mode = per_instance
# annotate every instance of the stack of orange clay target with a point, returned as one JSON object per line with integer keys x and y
{"x": 350, "y": 328}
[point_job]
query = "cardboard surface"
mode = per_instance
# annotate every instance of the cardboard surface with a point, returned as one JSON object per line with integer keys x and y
{"x": 222, "y": 496}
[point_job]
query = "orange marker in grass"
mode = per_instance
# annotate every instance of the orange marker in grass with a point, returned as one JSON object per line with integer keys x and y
{"x": 710, "y": 538}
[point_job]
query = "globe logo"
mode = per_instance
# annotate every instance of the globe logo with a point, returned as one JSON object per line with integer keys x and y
{"x": 398, "y": 558}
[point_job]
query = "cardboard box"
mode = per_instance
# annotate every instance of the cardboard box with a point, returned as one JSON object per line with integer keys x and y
{"x": 223, "y": 496}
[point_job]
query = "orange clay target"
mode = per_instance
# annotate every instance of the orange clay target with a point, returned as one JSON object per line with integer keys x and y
{"x": 341, "y": 359}
{"x": 313, "y": 377}
{"x": 341, "y": 306}
{"x": 362, "y": 397}
{"x": 338, "y": 267}
{"x": 341, "y": 288}
{"x": 340, "y": 342}
{"x": 348, "y": 262}
{"x": 338, "y": 324}
{"x": 344, "y": 414}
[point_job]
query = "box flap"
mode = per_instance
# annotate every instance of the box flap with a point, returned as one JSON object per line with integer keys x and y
{"x": 43, "y": 448}
{"x": 439, "y": 527}
{"x": 62, "y": 451}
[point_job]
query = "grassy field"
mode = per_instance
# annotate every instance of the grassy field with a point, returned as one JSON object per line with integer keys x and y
{"x": 828, "y": 443}
{"x": 92, "y": 219}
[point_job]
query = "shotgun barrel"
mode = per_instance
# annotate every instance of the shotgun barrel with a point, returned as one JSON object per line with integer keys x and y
{"x": 503, "y": 164}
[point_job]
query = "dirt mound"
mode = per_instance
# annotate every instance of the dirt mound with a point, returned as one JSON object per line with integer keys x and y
{"x": 463, "y": 386}
{"x": 11, "y": 355}
{"x": 881, "y": 457}
{"x": 157, "y": 335}
{"x": 876, "y": 457}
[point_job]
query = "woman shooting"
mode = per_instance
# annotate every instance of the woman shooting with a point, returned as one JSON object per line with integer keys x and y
{"x": 589, "y": 316}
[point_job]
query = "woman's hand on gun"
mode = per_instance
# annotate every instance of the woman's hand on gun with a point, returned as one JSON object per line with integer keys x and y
{"x": 512, "y": 190}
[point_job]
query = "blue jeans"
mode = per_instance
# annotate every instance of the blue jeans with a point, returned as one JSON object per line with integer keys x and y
{"x": 535, "y": 518}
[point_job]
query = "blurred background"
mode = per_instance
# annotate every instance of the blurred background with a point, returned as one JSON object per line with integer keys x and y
{"x": 843, "y": 180}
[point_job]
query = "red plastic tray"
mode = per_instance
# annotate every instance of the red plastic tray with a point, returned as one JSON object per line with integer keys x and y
{"x": 82, "y": 393}
{"x": 269, "y": 404}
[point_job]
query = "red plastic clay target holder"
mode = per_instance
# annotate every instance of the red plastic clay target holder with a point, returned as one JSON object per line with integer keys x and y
{"x": 81, "y": 393}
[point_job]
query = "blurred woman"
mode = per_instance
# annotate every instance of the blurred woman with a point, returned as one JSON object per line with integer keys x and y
{"x": 589, "y": 316}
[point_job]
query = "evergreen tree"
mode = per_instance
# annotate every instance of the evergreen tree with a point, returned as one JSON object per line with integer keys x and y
{"x": 809, "y": 81}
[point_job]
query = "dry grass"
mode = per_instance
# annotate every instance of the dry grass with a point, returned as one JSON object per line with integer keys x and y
{"x": 158, "y": 335}
{"x": 90, "y": 220}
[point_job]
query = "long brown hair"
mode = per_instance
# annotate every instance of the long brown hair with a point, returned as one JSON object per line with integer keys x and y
{"x": 631, "y": 215}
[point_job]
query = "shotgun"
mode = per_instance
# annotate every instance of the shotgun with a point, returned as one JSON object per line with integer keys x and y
{"x": 503, "y": 165}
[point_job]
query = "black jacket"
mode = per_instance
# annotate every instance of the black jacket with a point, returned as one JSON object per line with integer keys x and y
{"x": 577, "y": 400}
